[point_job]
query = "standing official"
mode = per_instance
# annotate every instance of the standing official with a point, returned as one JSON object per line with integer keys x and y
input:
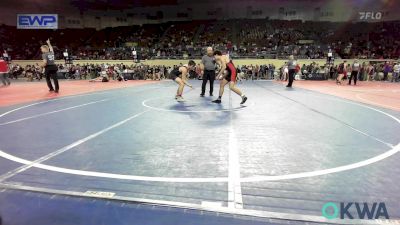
{"x": 50, "y": 68}
{"x": 292, "y": 64}
{"x": 208, "y": 71}
{"x": 355, "y": 70}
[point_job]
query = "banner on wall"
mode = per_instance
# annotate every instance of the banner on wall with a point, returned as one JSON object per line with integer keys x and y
{"x": 37, "y": 21}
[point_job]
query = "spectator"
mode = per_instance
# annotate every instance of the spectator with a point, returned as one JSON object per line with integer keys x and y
{"x": 386, "y": 70}
{"x": 4, "y": 73}
{"x": 396, "y": 71}
{"x": 370, "y": 72}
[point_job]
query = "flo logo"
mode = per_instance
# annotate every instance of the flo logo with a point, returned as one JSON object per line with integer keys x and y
{"x": 370, "y": 15}
{"x": 350, "y": 210}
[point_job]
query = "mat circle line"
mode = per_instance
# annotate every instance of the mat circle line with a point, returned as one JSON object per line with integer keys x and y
{"x": 259, "y": 178}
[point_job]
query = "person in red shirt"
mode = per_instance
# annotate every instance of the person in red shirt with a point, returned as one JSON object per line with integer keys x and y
{"x": 4, "y": 72}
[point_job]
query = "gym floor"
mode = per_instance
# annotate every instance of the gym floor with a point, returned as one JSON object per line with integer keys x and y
{"x": 102, "y": 149}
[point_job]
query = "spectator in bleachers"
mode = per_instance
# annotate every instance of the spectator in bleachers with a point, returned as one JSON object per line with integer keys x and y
{"x": 386, "y": 70}
{"x": 396, "y": 72}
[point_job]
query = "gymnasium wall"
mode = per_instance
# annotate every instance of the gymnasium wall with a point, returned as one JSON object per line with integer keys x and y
{"x": 238, "y": 62}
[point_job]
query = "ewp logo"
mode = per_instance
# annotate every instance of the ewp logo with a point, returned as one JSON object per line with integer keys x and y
{"x": 331, "y": 211}
{"x": 37, "y": 21}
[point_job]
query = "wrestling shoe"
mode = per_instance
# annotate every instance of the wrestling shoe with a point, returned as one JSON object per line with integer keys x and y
{"x": 217, "y": 101}
{"x": 244, "y": 99}
{"x": 180, "y": 99}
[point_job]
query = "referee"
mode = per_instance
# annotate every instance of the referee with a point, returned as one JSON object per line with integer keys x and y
{"x": 355, "y": 71}
{"x": 208, "y": 71}
{"x": 292, "y": 70}
{"x": 50, "y": 68}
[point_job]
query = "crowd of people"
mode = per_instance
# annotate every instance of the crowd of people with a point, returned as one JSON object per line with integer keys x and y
{"x": 384, "y": 71}
{"x": 92, "y": 71}
{"x": 241, "y": 38}
{"x": 366, "y": 71}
